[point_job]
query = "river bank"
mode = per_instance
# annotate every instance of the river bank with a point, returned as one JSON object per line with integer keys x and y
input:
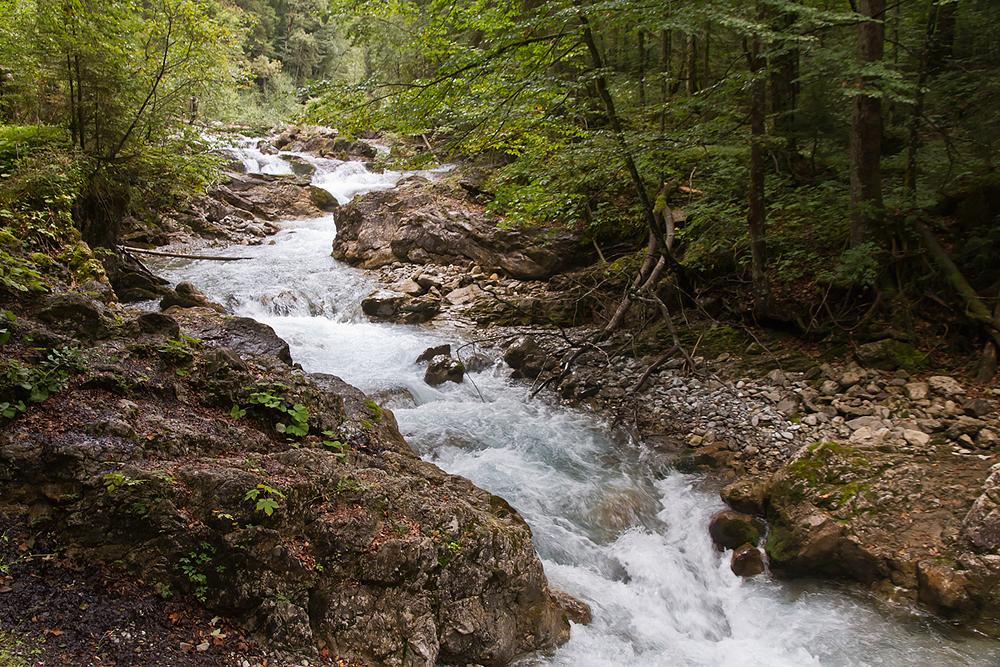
{"x": 864, "y": 469}
{"x": 725, "y": 416}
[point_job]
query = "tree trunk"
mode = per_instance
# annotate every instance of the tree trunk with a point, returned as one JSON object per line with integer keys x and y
{"x": 783, "y": 72}
{"x": 974, "y": 308}
{"x": 691, "y": 65}
{"x": 913, "y": 141}
{"x": 642, "y": 68}
{"x": 72, "y": 102}
{"x": 943, "y": 44}
{"x": 866, "y": 130}
{"x": 665, "y": 47}
{"x": 707, "y": 73}
{"x": 756, "y": 214}
{"x": 616, "y": 127}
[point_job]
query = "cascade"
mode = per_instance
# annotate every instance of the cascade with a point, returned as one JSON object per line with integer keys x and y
{"x": 610, "y": 526}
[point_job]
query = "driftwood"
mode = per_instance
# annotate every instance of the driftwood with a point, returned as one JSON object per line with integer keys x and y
{"x": 160, "y": 253}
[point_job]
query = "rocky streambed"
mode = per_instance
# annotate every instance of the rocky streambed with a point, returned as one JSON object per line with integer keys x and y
{"x": 872, "y": 467}
{"x": 183, "y": 429}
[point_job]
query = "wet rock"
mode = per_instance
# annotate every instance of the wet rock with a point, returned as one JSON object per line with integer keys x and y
{"x": 747, "y": 561}
{"x": 443, "y": 369}
{"x": 526, "y": 357}
{"x": 576, "y": 610}
{"x": 322, "y": 199}
{"x": 942, "y": 588}
{"x": 731, "y": 529}
{"x": 477, "y": 363}
{"x": 400, "y": 308}
{"x": 447, "y": 574}
{"x": 429, "y": 222}
{"x": 432, "y": 352}
{"x": 186, "y": 295}
{"x": 746, "y": 496}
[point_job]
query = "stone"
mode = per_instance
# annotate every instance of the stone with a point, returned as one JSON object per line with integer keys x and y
{"x": 873, "y": 423}
{"x": 408, "y": 287}
{"x": 730, "y": 529}
{"x": 888, "y": 355}
{"x": 965, "y": 426}
{"x": 747, "y": 561}
{"x": 788, "y": 406}
{"x": 987, "y": 438}
{"x": 916, "y": 391}
{"x": 443, "y": 369}
{"x": 777, "y": 377}
{"x": 977, "y": 407}
{"x": 945, "y": 386}
{"x": 526, "y": 357}
{"x": 463, "y": 295}
{"x": 829, "y": 388}
{"x": 74, "y": 315}
{"x": 916, "y": 438}
{"x": 186, "y": 295}
{"x": 848, "y": 380}
{"x": 432, "y": 352}
{"x": 745, "y": 496}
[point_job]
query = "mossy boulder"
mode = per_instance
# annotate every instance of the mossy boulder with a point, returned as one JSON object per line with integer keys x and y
{"x": 730, "y": 530}
{"x": 890, "y": 355}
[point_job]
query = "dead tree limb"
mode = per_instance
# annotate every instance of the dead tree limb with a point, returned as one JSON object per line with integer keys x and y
{"x": 973, "y": 308}
{"x": 160, "y": 253}
{"x": 652, "y": 369}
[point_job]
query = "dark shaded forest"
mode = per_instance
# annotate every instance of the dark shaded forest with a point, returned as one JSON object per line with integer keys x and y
{"x": 824, "y": 168}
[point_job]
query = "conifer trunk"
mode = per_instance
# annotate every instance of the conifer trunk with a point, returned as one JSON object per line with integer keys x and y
{"x": 866, "y": 129}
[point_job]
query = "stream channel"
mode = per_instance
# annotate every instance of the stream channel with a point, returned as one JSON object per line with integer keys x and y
{"x": 610, "y": 526}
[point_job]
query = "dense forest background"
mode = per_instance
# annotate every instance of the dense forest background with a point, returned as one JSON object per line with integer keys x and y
{"x": 828, "y": 168}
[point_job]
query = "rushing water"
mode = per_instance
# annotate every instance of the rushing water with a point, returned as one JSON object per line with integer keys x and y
{"x": 612, "y": 528}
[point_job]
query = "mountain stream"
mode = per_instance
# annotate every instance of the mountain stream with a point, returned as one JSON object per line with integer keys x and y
{"x": 611, "y": 527}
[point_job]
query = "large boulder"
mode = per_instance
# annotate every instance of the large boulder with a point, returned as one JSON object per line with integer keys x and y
{"x": 420, "y": 222}
{"x": 401, "y": 308}
{"x": 346, "y": 541}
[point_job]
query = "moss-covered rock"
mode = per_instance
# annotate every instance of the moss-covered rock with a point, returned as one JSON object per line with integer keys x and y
{"x": 730, "y": 530}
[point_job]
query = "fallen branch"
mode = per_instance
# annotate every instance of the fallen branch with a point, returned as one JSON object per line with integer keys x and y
{"x": 652, "y": 369}
{"x": 974, "y": 308}
{"x": 160, "y": 253}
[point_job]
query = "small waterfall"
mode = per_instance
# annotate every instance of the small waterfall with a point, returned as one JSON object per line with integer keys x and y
{"x": 610, "y": 528}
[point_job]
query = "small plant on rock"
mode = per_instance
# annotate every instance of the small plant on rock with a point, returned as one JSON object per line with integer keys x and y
{"x": 332, "y": 442}
{"x": 268, "y": 498}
